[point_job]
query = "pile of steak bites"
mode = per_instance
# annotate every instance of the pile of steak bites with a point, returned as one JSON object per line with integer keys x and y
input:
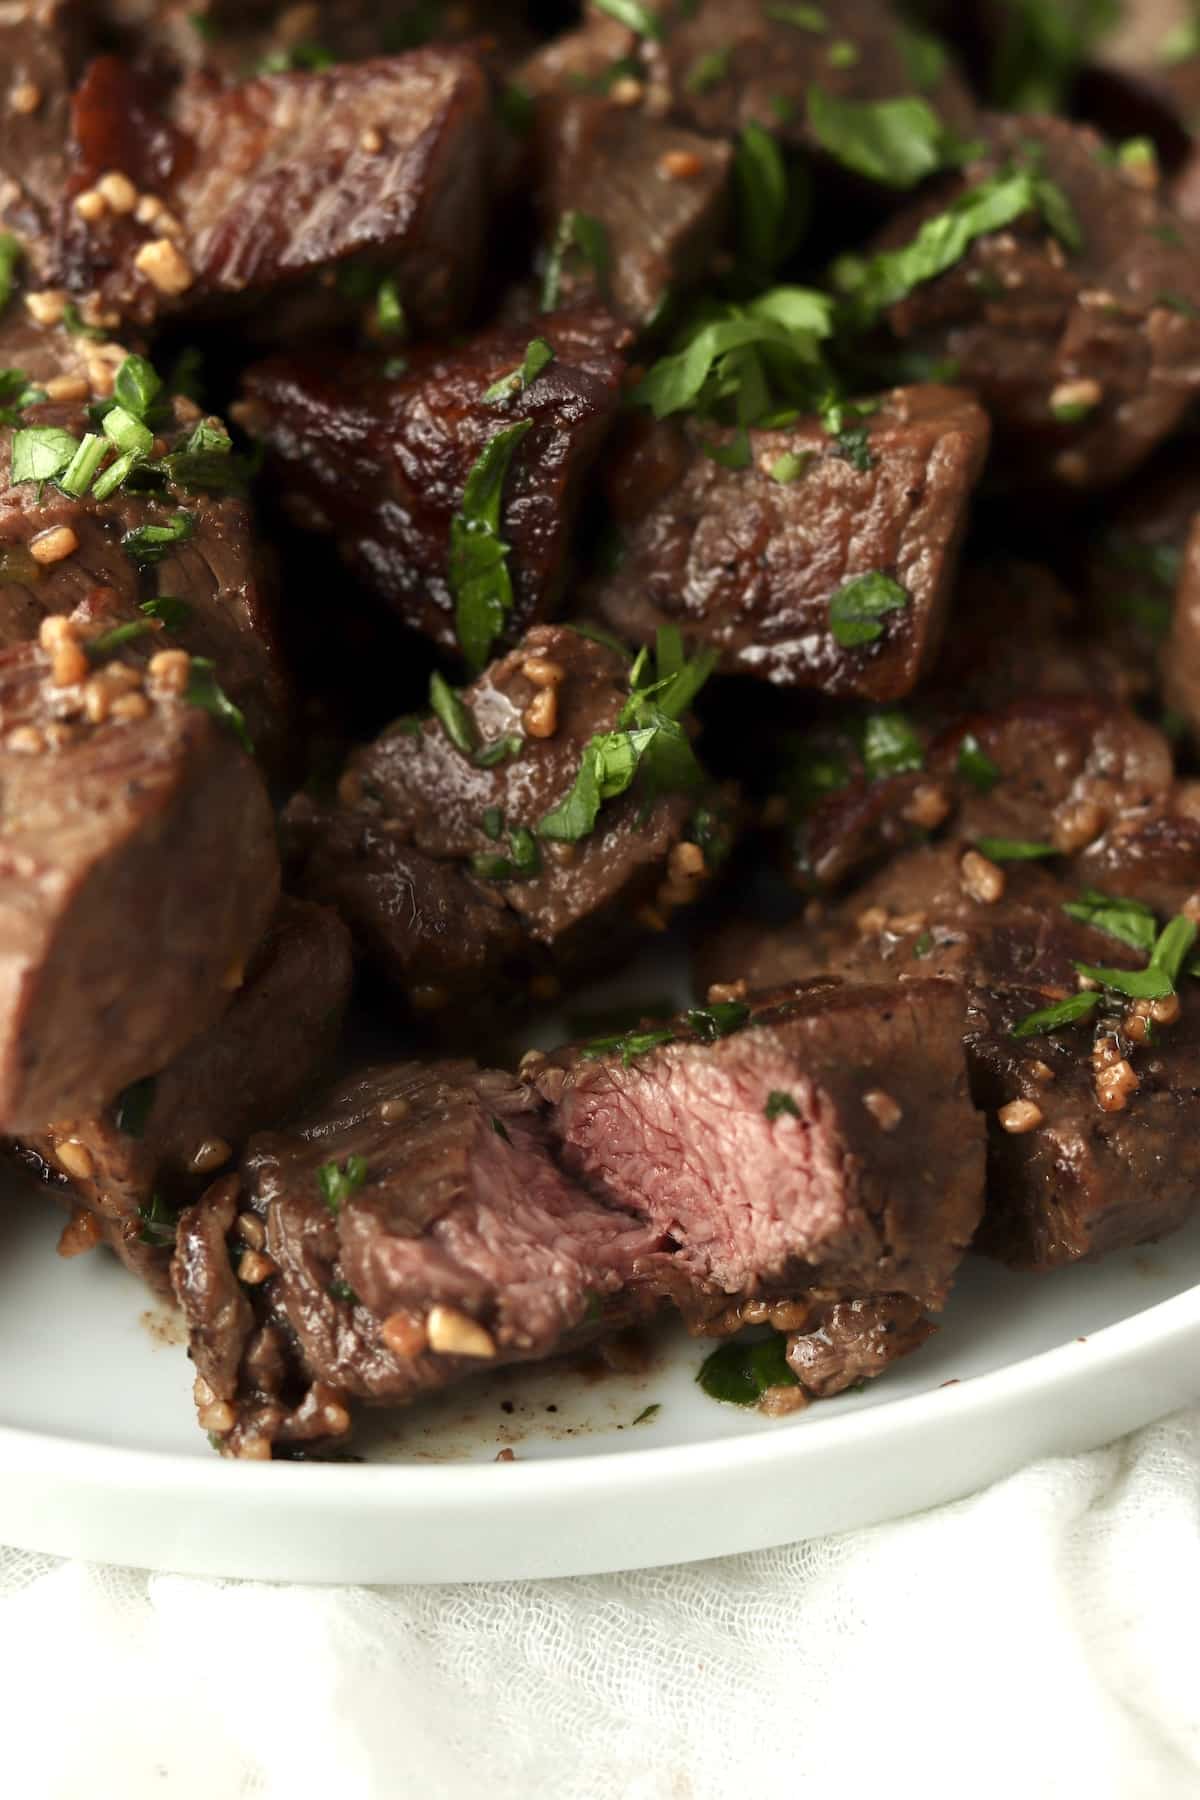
{"x": 488, "y": 491}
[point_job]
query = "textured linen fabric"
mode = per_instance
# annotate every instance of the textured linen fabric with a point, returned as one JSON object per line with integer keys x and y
{"x": 1037, "y": 1639}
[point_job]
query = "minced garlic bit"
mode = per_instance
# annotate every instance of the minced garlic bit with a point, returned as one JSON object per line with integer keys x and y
{"x": 165, "y": 266}
{"x": 118, "y": 191}
{"x": 46, "y": 306}
{"x": 91, "y": 206}
{"x": 1020, "y": 1116}
{"x": 68, "y": 664}
{"x": 403, "y": 1334}
{"x": 25, "y": 97}
{"x": 1115, "y": 1084}
{"x": 454, "y": 1333}
{"x": 255, "y": 1268}
{"x": 542, "y": 671}
{"x": 540, "y": 717}
{"x": 53, "y": 546}
{"x": 680, "y": 165}
{"x": 982, "y": 879}
{"x": 76, "y": 1159}
{"x": 886, "y": 1112}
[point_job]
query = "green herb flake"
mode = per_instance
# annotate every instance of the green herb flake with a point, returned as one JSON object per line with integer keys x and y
{"x": 740, "y": 1373}
{"x": 1180, "y": 43}
{"x": 764, "y": 198}
{"x": 1013, "y": 849}
{"x": 40, "y": 452}
{"x": 975, "y": 766}
{"x": 479, "y": 575}
{"x": 896, "y": 143}
{"x": 890, "y": 746}
{"x": 628, "y": 1045}
{"x": 132, "y": 1107}
{"x": 922, "y": 945}
{"x": 854, "y": 446}
{"x": 500, "y": 1129}
{"x": 109, "y": 641}
{"x": 11, "y": 253}
{"x": 137, "y": 386}
{"x": 341, "y": 1290}
{"x": 924, "y": 55}
{"x": 538, "y": 356}
{"x": 730, "y": 453}
{"x": 708, "y": 71}
{"x": 790, "y": 466}
{"x": 448, "y": 709}
{"x": 170, "y": 612}
{"x": 633, "y": 14}
{"x": 576, "y": 231}
{"x": 1053, "y": 1018}
{"x": 83, "y": 467}
{"x": 778, "y": 1103}
{"x": 647, "y": 1413}
{"x": 842, "y": 54}
{"x": 159, "y": 1222}
{"x": 492, "y": 823}
{"x": 126, "y": 431}
{"x": 524, "y": 861}
{"x": 115, "y": 476}
{"x": 856, "y": 609}
{"x": 1178, "y": 303}
{"x": 489, "y": 756}
{"x": 74, "y": 324}
{"x": 804, "y": 18}
{"x": 389, "y": 309}
{"x": 148, "y": 544}
{"x": 712, "y": 1022}
{"x": 206, "y": 692}
{"x": 1150, "y": 983}
{"x": 1130, "y": 921}
{"x": 337, "y": 1184}
{"x": 714, "y": 355}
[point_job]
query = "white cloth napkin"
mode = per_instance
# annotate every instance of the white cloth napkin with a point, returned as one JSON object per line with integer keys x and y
{"x": 1038, "y": 1639}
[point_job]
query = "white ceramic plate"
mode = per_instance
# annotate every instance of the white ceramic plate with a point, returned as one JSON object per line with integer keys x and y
{"x": 100, "y": 1457}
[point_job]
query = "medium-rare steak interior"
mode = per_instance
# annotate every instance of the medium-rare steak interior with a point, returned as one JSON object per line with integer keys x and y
{"x": 501, "y": 498}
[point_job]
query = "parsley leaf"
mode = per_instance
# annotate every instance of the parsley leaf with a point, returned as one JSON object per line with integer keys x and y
{"x": 205, "y": 691}
{"x": 1013, "y": 849}
{"x": 790, "y": 466}
{"x": 457, "y": 723}
{"x": 895, "y": 142}
{"x": 632, "y": 13}
{"x": 538, "y": 356}
{"x": 713, "y": 1022}
{"x": 765, "y": 206}
{"x": 975, "y": 765}
{"x": 524, "y": 862}
{"x": 338, "y": 1184}
{"x": 1064, "y": 1012}
{"x": 150, "y": 543}
{"x": 172, "y": 613}
{"x": 159, "y": 1222}
{"x": 778, "y": 1103}
{"x": 11, "y": 253}
{"x": 1131, "y": 921}
{"x": 804, "y": 18}
{"x": 40, "y": 452}
{"x": 774, "y": 339}
{"x": 479, "y": 574}
{"x": 708, "y": 71}
{"x": 890, "y": 746}
{"x": 741, "y": 1373}
{"x": 137, "y": 386}
{"x": 857, "y": 607}
{"x": 576, "y": 231}
{"x": 629, "y": 1044}
{"x": 132, "y": 1107}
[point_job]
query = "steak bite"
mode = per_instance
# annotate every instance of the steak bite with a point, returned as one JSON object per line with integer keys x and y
{"x": 810, "y": 566}
{"x": 812, "y": 1138}
{"x": 382, "y": 460}
{"x": 229, "y": 186}
{"x": 474, "y": 852}
{"x": 1078, "y": 324}
{"x": 42, "y": 48}
{"x": 410, "y": 1231}
{"x": 1181, "y": 656}
{"x": 169, "y": 564}
{"x": 138, "y": 872}
{"x": 164, "y": 1137}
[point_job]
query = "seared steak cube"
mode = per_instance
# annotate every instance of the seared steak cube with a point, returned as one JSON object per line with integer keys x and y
{"x": 412, "y": 1230}
{"x": 138, "y": 872}
{"x": 1181, "y": 656}
{"x": 165, "y": 1137}
{"x": 381, "y": 459}
{"x": 42, "y": 48}
{"x": 808, "y": 565}
{"x": 232, "y": 185}
{"x": 453, "y": 859}
{"x": 1078, "y": 324}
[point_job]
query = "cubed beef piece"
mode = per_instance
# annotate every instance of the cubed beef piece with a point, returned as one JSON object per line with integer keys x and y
{"x": 802, "y": 1148}
{"x": 217, "y": 585}
{"x": 413, "y": 1230}
{"x": 721, "y": 64}
{"x": 1181, "y": 657}
{"x": 1085, "y": 352}
{"x": 163, "y": 1139}
{"x": 382, "y": 459}
{"x": 655, "y": 193}
{"x": 854, "y": 1342}
{"x": 42, "y": 48}
{"x": 767, "y": 562}
{"x": 233, "y": 185}
{"x": 436, "y": 858}
{"x": 138, "y": 871}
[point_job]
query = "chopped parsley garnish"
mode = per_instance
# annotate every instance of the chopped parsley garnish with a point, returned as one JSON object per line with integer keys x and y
{"x": 453, "y": 717}
{"x": 648, "y": 742}
{"x": 708, "y": 71}
{"x": 854, "y": 446}
{"x": 108, "y": 641}
{"x": 1063, "y": 1012}
{"x": 744, "y": 360}
{"x": 10, "y": 255}
{"x": 132, "y": 1107}
{"x": 137, "y": 386}
{"x": 150, "y": 543}
{"x": 516, "y": 108}
{"x": 492, "y": 822}
{"x": 1180, "y": 43}
{"x": 1157, "y": 980}
{"x": 172, "y": 613}
{"x": 734, "y": 453}
{"x": 842, "y": 54}
{"x": 779, "y": 1102}
{"x": 500, "y": 1129}
{"x": 895, "y": 142}
{"x": 81, "y": 471}
{"x": 300, "y": 58}
{"x": 1040, "y": 50}
{"x": 158, "y": 1222}
{"x": 338, "y": 1184}
{"x": 869, "y": 285}
{"x": 1131, "y": 921}
{"x": 790, "y": 466}
{"x": 538, "y": 356}
{"x": 805, "y": 18}
{"x": 576, "y": 231}
{"x": 647, "y": 1413}
{"x": 924, "y": 55}
{"x": 40, "y": 452}
{"x": 713, "y": 1022}
{"x": 488, "y": 756}
{"x": 389, "y": 309}
{"x": 1146, "y": 597}
{"x": 524, "y": 861}
{"x": 75, "y": 325}
{"x": 890, "y": 746}
{"x": 341, "y": 1290}
{"x": 629, "y": 1044}
{"x": 632, "y": 13}
{"x": 1013, "y": 849}
{"x": 856, "y": 609}
{"x": 16, "y": 393}
{"x": 975, "y": 765}
{"x": 206, "y": 692}
{"x": 741, "y": 1373}
{"x": 772, "y": 201}
{"x": 479, "y": 574}
{"x": 1178, "y": 303}
{"x": 923, "y": 945}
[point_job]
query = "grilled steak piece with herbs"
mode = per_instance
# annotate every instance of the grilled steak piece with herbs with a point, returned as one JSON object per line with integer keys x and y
{"x": 131, "y": 1167}
{"x": 231, "y": 188}
{"x": 1072, "y": 310}
{"x": 804, "y": 558}
{"x": 410, "y": 1231}
{"x": 539, "y": 819}
{"x": 148, "y": 510}
{"x": 450, "y": 483}
{"x": 138, "y": 871}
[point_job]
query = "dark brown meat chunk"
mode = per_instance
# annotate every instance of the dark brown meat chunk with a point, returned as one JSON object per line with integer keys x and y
{"x": 215, "y": 572}
{"x": 166, "y": 1136}
{"x": 827, "y": 1142}
{"x": 462, "y": 1247}
{"x": 245, "y": 174}
{"x": 1181, "y": 657}
{"x": 138, "y": 872}
{"x": 750, "y": 564}
{"x": 1085, "y": 357}
{"x": 856, "y": 1341}
{"x": 420, "y": 857}
{"x": 721, "y": 64}
{"x": 382, "y": 461}
{"x": 42, "y": 47}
